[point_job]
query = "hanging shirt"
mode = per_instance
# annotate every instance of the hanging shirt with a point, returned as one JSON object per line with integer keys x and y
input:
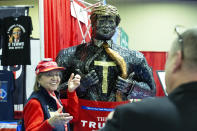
{"x": 6, "y": 95}
{"x": 16, "y": 35}
{"x": 1, "y": 39}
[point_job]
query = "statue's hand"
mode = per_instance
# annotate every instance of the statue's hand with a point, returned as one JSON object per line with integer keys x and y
{"x": 89, "y": 79}
{"x": 124, "y": 85}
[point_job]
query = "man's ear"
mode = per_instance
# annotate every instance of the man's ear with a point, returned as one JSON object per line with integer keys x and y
{"x": 178, "y": 61}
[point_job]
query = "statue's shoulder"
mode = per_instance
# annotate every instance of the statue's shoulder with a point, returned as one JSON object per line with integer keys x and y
{"x": 71, "y": 50}
{"x": 128, "y": 53}
{"x": 68, "y": 50}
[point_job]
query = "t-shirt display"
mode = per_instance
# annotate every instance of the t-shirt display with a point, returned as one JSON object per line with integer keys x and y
{"x": 1, "y": 38}
{"x": 6, "y": 95}
{"x": 16, "y": 46}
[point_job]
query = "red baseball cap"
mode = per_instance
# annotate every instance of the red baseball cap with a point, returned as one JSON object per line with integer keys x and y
{"x": 45, "y": 66}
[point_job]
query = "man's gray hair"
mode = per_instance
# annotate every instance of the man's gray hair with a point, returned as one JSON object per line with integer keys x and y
{"x": 189, "y": 46}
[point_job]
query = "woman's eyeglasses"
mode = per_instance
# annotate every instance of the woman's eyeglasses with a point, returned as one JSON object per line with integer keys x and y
{"x": 52, "y": 74}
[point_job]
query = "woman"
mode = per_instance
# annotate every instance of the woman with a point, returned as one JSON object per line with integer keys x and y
{"x": 44, "y": 111}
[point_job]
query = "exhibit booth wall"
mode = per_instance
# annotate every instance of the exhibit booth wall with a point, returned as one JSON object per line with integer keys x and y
{"x": 149, "y": 25}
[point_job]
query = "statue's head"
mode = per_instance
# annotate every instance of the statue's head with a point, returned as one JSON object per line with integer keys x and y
{"x": 104, "y": 20}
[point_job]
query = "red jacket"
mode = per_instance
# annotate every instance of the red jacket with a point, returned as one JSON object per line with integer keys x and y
{"x": 34, "y": 116}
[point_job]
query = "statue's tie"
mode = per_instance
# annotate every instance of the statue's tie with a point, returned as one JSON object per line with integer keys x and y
{"x": 118, "y": 59}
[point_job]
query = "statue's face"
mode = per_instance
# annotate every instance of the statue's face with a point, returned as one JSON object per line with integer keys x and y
{"x": 104, "y": 28}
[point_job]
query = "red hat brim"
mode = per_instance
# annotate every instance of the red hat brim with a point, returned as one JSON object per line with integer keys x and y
{"x": 50, "y": 69}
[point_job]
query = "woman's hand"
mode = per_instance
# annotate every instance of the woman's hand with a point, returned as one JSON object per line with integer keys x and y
{"x": 58, "y": 118}
{"x": 73, "y": 82}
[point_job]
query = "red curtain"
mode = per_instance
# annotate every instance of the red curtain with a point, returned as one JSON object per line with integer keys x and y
{"x": 157, "y": 61}
{"x": 61, "y": 30}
